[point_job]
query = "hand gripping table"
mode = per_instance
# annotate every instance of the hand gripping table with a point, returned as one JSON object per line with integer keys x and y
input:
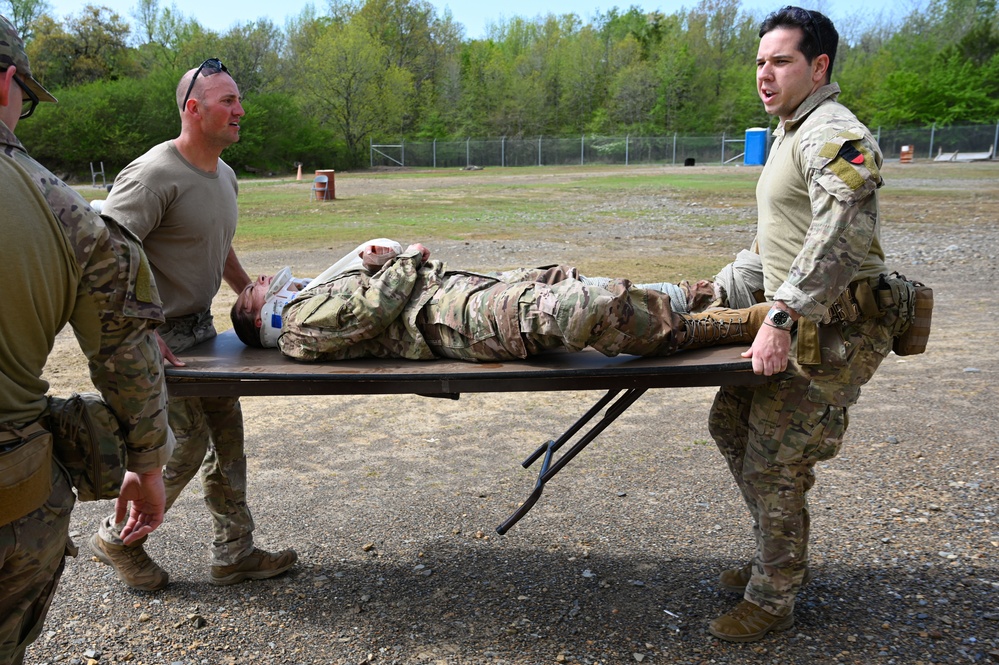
{"x": 225, "y": 366}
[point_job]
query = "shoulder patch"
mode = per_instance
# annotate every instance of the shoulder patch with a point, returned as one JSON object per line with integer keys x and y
{"x": 832, "y": 147}
{"x": 851, "y": 154}
{"x": 850, "y": 160}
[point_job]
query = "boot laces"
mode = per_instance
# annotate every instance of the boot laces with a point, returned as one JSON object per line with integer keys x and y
{"x": 138, "y": 558}
{"x": 710, "y": 330}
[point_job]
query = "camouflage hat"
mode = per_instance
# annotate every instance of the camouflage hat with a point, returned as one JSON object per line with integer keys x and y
{"x": 12, "y": 55}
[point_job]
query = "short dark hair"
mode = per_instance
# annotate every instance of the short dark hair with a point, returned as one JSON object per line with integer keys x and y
{"x": 244, "y": 323}
{"x": 818, "y": 34}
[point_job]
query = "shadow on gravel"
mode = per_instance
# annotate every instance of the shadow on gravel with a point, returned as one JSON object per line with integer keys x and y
{"x": 470, "y": 602}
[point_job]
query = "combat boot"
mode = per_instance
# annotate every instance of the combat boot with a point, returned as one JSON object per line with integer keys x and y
{"x": 748, "y": 623}
{"x": 257, "y": 565}
{"x": 721, "y": 326}
{"x": 131, "y": 563}
{"x": 736, "y": 579}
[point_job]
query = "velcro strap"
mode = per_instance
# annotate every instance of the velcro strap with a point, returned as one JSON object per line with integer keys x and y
{"x": 25, "y": 473}
{"x": 809, "y": 348}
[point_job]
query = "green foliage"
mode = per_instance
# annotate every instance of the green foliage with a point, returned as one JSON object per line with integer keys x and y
{"x": 318, "y": 90}
{"x": 22, "y": 14}
{"x": 275, "y": 135}
{"x": 90, "y": 47}
{"x": 347, "y": 83}
{"x": 109, "y": 121}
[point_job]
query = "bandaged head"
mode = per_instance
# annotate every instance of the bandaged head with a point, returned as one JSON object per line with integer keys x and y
{"x": 282, "y": 290}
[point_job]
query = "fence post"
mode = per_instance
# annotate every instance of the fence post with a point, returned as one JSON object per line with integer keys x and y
{"x": 435, "y": 153}
{"x": 933, "y": 132}
{"x": 467, "y": 157}
{"x": 402, "y": 144}
{"x": 539, "y": 150}
{"x": 723, "y": 149}
{"x": 995, "y": 141}
{"x": 371, "y": 153}
{"x": 878, "y": 137}
{"x": 503, "y": 151}
{"x": 581, "y": 139}
{"x": 674, "y": 148}
{"x": 626, "y": 140}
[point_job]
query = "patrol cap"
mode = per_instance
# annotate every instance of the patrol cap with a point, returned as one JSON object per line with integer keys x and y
{"x": 12, "y": 55}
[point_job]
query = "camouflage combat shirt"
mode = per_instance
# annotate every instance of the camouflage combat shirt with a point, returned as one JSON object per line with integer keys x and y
{"x": 355, "y": 314}
{"x": 818, "y": 207}
{"x": 63, "y": 263}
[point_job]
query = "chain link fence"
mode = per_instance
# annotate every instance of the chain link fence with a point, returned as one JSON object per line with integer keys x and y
{"x": 923, "y": 143}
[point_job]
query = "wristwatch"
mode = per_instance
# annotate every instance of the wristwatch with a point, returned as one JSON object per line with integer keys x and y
{"x": 778, "y": 318}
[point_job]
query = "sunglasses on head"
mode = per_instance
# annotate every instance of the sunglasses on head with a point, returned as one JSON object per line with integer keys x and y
{"x": 815, "y": 30}
{"x": 210, "y": 66}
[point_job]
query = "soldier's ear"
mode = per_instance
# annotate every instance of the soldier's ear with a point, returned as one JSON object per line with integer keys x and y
{"x": 5, "y": 82}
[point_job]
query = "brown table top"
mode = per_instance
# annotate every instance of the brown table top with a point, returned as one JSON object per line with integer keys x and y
{"x": 225, "y": 366}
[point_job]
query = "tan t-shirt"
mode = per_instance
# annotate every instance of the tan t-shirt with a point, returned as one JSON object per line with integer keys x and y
{"x": 186, "y": 219}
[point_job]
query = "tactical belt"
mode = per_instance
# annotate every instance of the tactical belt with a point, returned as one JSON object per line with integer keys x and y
{"x": 25, "y": 470}
{"x": 857, "y": 303}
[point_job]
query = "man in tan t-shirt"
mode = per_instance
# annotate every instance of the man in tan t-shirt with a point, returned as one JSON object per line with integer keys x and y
{"x": 179, "y": 198}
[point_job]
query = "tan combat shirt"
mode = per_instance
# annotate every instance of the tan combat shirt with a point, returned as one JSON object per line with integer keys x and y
{"x": 818, "y": 224}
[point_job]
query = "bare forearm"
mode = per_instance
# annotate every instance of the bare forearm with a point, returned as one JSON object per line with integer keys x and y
{"x": 234, "y": 274}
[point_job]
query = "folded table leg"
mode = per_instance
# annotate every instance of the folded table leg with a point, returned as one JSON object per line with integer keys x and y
{"x": 548, "y": 470}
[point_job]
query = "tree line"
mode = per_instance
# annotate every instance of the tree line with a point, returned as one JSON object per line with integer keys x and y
{"x": 320, "y": 88}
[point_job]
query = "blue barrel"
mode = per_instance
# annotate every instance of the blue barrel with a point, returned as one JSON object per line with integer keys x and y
{"x": 756, "y": 146}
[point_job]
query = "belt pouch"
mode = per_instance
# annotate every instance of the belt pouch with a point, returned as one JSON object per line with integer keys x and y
{"x": 25, "y": 472}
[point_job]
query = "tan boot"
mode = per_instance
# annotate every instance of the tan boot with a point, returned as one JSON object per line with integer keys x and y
{"x": 257, "y": 565}
{"x": 131, "y": 563}
{"x": 748, "y": 623}
{"x": 721, "y": 326}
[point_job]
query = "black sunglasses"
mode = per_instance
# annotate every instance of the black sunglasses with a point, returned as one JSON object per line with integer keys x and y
{"x": 32, "y": 99}
{"x": 815, "y": 30}
{"x": 211, "y": 66}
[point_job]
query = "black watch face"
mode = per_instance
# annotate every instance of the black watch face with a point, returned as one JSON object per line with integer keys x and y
{"x": 781, "y": 318}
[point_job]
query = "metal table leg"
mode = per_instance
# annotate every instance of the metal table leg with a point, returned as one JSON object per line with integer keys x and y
{"x": 548, "y": 470}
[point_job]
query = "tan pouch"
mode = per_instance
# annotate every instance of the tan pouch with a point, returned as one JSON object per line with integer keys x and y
{"x": 25, "y": 471}
{"x": 89, "y": 444}
{"x": 913, "y": 339}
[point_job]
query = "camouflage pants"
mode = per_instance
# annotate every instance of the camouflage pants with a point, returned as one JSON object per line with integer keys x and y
{"x": 209, "y": 433}
{"x": 772, "y": 436}
{"x": 509, "y": 321}
{"x": 32, "y": 551}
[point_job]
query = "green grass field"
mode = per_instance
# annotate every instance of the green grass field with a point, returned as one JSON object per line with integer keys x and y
{"x": 678, "y": 205}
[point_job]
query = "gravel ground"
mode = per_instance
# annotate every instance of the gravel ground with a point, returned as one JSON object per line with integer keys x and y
{"x": 392, "y": 503}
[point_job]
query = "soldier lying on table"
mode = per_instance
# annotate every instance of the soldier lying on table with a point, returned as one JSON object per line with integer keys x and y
{"x": 402, "y": 304}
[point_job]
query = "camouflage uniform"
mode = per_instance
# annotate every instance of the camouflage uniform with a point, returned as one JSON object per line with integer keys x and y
{"x": 66, "y": 264}
{"x": 196, "y": 421}
{"x": 818, "y": 233}
{"x": 416, "y": 310}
